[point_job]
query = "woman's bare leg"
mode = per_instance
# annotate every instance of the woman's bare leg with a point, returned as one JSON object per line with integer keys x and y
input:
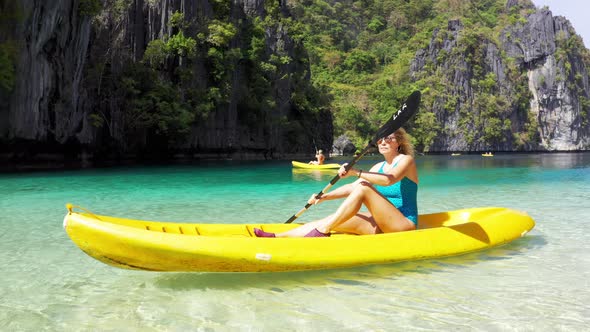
{"x": 383, "y": 216}
{"x": 302, "y": 230}
{"x": 386, "y": 216}
{"x": 347, "y": 210}
{"x": 361, "y": 224}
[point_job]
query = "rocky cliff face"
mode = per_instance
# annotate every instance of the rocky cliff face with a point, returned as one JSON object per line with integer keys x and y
{"x": 46, "y": 99}
{"x": 69, "y": 63}
{"x": 559, "y": 85}
{"x": 534, "y": 62}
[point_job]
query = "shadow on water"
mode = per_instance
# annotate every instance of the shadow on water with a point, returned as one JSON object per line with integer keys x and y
{"x": 357, "y": 276}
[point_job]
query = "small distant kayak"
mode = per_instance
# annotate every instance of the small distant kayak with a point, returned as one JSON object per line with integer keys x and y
{"x": 298, "y": 164}
{"x": 455, "y": 154}
{"x": 487, "y": 154}
{"x": 166, "y": 246}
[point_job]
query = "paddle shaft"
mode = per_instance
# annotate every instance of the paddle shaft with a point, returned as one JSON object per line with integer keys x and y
{"x": 315, "y": 146}
{"x": 329, "y": 185}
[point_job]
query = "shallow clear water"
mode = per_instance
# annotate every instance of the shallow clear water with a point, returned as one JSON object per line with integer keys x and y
{"x": 536, "y": 283}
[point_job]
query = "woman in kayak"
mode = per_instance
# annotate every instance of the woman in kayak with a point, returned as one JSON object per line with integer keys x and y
{"x": 389, "y": 191}
{"x": 319, "y": 156}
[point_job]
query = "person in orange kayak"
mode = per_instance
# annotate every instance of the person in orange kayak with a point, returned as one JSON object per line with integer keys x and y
{"x": 319, "y": 158}
{"x": 389, "y": 190}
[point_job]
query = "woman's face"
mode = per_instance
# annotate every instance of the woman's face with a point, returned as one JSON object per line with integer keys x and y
{"x": 387, "y": 144}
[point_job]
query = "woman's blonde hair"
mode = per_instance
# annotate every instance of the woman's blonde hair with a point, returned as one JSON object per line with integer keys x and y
{"x": 405, "y": 144}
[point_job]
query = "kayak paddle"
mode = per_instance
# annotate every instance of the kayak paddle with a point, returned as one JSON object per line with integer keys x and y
{"x": 409, "y": 108}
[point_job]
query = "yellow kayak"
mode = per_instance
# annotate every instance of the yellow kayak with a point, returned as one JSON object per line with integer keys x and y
{"x": 297, "y": 164}
{"x": 164, "y": 246}
{"x": 487, "y": 154}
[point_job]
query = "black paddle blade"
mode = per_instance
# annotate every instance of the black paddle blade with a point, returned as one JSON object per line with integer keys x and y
{"x": 409, "y": 108}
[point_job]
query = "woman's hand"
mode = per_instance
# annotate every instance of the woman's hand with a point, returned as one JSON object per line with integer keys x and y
{"x": 343, "y": 173}
{"x": 313, "y": 200}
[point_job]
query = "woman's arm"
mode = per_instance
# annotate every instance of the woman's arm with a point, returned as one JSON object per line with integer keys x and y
{"x": 344, "y": 190}
{"x": 390, "y": 176}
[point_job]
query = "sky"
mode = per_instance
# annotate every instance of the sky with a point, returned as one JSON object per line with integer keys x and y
{"x": 576, "y": 11}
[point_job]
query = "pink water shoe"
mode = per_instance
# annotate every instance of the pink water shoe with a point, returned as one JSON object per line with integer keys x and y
{"x": 315, "y": 233}
{"x": 261, "y": 233}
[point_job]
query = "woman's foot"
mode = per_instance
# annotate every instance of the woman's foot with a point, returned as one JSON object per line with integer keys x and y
{"x": 261, "y": 233}
{"x": 315, "y": 233}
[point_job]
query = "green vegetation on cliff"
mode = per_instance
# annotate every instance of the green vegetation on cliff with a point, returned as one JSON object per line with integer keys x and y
{"x": 360, "y": 53}
{"x": 203, "y": 63}
{"x": 10, "y": 16}
{"x": 362, "y": 50}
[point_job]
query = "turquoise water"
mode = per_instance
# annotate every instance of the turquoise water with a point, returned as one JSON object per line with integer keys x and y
{"x": 536, "y": 283}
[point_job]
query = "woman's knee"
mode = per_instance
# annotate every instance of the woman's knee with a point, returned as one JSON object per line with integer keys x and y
{"x": 363, "y": 187}
{"x": 358, "y": 192}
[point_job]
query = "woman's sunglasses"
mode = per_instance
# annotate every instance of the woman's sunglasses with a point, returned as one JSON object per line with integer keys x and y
{"x": 387, "y": 139}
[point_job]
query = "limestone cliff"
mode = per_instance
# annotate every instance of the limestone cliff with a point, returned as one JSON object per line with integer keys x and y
{"x": 526, "y": 91}
{"x": 75, "y": 57}
{"x": 46, "y": 101}
{"x": 93, "y": 79}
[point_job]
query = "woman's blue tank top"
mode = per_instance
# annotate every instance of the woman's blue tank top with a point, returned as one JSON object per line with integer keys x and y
{"x": 403, "y": 195}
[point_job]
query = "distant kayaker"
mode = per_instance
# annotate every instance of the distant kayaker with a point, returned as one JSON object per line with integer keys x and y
{"x": 319, "y": 156}
{"x": 389, "y": 190}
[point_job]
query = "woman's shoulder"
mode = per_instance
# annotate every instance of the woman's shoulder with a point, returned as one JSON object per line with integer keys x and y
{"x": 407, "y": 158}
